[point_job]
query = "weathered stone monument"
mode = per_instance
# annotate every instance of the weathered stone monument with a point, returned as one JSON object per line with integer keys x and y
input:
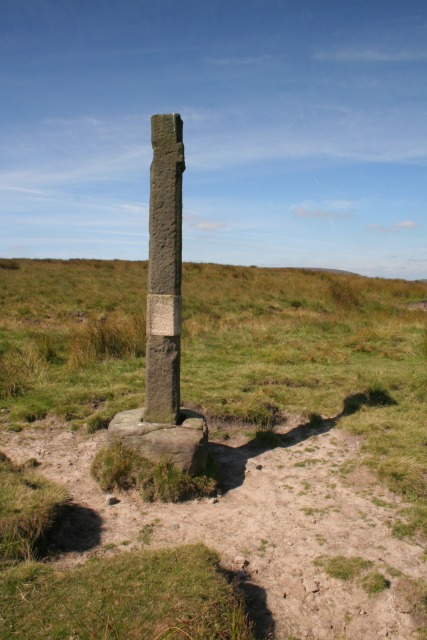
{"x": 163, "y": 430}
{"x": 162, "y": 397}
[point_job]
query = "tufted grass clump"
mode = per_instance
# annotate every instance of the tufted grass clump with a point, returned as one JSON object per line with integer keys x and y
{"x": 118, "y": 467}
{"x": 374, "y": 582}
{"x": 21, "y": 368}
{"x": 113, "y": 335}
{"x": 344, "y": 293}
{"x": 29, "y": 505}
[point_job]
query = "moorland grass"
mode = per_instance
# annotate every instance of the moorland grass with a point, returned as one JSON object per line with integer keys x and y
{"x": 29, "y": 505}
{"x": 174, "y": 594}
{"x": 256, "y": 343}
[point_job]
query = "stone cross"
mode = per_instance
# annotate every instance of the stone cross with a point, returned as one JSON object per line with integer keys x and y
{"x": 162, "y": 396}
{"x": 162, "y": 431}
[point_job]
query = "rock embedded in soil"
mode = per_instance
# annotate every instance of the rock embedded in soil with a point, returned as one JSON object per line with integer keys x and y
{"x": 184, "y": 445}
{"x": 311, "y": 586}
{"x": 241, "y": 561}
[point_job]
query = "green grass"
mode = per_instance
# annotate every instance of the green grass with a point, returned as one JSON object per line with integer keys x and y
{"x": 255, "y": 344}
{"x": 174, "y": 594}
{"x": 29, "y": 505}
{"x": 263, "y": 546}
{"x": 374, "y": 582}
{"x": 341, "y": 567}
{"x": 355, "y": 568}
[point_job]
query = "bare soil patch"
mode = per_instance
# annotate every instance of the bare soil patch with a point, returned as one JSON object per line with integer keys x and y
{"x": 280, "y": 509}
{"x": 418, "y": 305}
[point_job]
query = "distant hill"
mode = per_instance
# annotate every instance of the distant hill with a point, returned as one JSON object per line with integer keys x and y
{"x": 323, "y": 270}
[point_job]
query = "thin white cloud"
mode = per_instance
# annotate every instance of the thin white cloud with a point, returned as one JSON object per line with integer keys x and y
{"x": 361, "y": 136}
{"x": 73, "y": 122}
{"x": 58, "y": 152}
{"x": 200, "y": 117}
{"x": 61, "y": 151}
{"x": 340, "y": 205}
{"x": 303, "y": 212}
{"x": 209, "y": 226}
{"x": 405, "y": 224}
{"x": 250, "y": 60}
{"x": 370, "y": 55}
{"x": 78, "y": 201}
{"x": 200, "y": 223}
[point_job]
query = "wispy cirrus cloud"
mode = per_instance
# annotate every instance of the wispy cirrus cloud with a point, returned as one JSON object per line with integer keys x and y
{"x": 405, "y": 224}
{"x": 24, "y": 207}
{"x": 374, "y": 136}
{"x": 200, "y": 223}
{"x": 56, "y": 152}
{"x": 249, "y": 60}
{"x": 370, "y": 55}
{"x": 304, "y": 212}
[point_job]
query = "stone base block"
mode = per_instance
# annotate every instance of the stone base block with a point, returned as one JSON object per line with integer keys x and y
{"x": 185, "y": 445}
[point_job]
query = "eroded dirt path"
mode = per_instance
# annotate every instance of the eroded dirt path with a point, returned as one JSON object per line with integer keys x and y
{"x": 281, "y": 509}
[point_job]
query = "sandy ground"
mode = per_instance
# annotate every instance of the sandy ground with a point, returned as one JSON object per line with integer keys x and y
{"x": 280, "y": 509}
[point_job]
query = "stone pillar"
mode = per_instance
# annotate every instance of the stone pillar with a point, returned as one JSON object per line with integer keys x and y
{"x": 162, "y": 430}
{"x": 162, "y": 397}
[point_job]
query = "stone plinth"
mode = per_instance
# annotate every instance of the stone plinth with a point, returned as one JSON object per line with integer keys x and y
{"x": 184, "y": 445}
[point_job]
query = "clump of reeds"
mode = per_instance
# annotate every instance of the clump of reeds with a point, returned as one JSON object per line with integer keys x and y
{"x": 108, "y": 336}
{"x": 21, "y": 368}
{"x": 344, "y": 294}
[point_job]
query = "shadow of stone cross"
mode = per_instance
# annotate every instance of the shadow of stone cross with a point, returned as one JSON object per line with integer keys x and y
{"x": 232, "y": 460}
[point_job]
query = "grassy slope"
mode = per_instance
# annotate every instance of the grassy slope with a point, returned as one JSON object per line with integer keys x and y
{"x": 256, "y": 342}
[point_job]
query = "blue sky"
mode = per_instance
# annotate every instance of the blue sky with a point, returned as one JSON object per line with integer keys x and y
{"x": 305, "y": 129}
